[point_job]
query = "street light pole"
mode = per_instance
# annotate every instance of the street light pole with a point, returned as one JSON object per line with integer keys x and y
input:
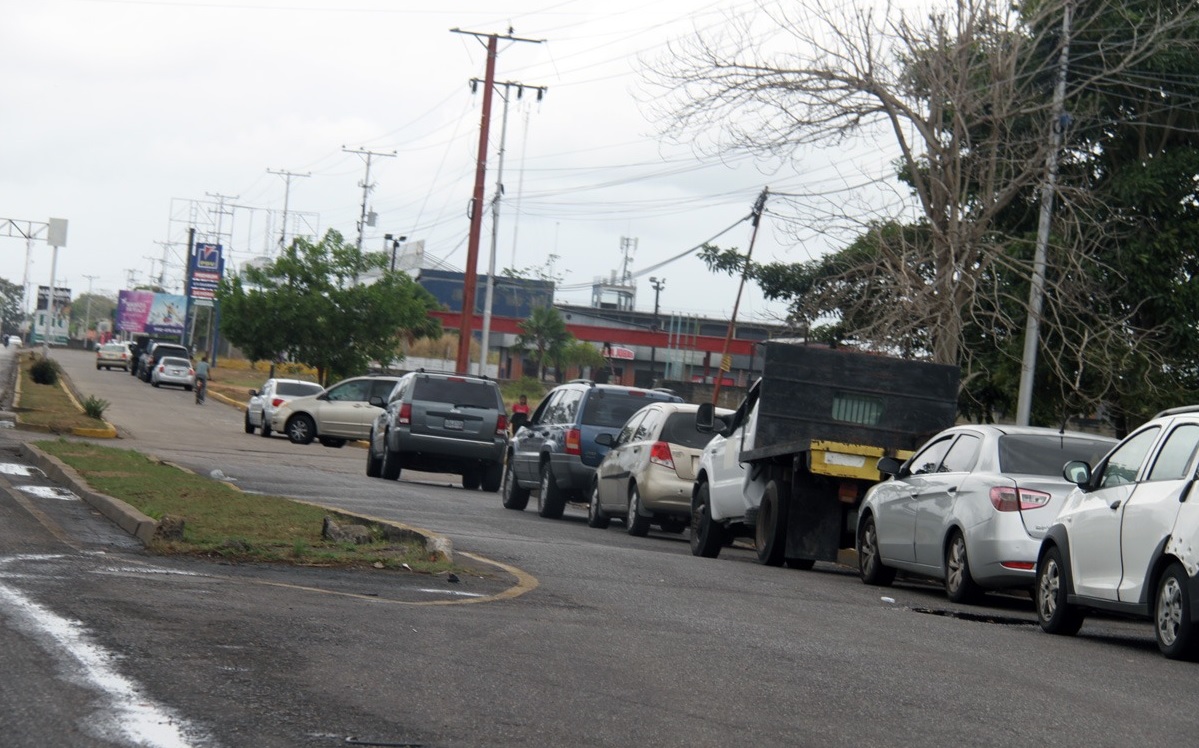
{"x": 657, "y": 284}
{"x": 87, "y": 315}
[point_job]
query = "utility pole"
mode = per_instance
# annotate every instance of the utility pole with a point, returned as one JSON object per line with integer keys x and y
{"x": 287, "y": 175}
{"x": 162, "y": 272}
{"x": 495, "y": 212}
{"x": 87, "y": 315}
{"x": 726, "y": 363}
{"x": 476, "y": 205}
{"x": 366, "y": 186}
{"x": 657, "y": 284}
{"x": 220, "y": 211}
{"x": 1036, "y": 290}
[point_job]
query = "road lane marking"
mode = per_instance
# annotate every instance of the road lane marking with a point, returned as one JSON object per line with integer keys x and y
{"x": 49, "y": 492}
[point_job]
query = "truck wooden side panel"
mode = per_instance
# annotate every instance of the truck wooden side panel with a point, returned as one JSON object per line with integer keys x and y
{"x": 811, "y": 393}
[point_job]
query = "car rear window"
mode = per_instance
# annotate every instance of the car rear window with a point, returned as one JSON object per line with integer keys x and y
{"x": 461, "y": 392}
{"x": 171, "y": 361}
{"x": 297, "y": 389}
{"x": 680, "y": 429}
{"x": 611, "y": 409}
{"x": 1045, "y": 454}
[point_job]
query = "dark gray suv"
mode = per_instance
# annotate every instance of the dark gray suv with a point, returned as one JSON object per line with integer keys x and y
{"x": 441, "y": 423}
{"x": 556, "y": 452}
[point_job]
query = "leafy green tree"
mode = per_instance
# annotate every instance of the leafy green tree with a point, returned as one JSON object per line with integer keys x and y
{"x": 545, "y": 336}
{"x": 87, "y": 309}
{"x": 308, "y": 305}
{"x": 12, "y": 297}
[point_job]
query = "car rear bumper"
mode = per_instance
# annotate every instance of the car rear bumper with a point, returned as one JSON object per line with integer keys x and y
{"x": 1001, "y": 553}
{"x": 465, "y": 450}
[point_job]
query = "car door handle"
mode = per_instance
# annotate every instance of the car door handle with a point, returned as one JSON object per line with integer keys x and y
{"x": 952, "y": 489}
{"x": 1114, "y": 505}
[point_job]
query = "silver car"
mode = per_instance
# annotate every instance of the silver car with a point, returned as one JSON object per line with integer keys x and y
{"x": 173, "y": 371}
{"x": 647, "y": 474}
{"x": 273, "y": 393}
{"x": 340, "y": 413}
{"x": 970, "y": 507}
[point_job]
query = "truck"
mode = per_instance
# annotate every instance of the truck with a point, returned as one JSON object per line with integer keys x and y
{"x": 790, "y": 466}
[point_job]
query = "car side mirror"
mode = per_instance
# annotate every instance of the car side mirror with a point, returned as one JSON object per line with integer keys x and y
{"x": 604, "y": 440}
{"x": 1077, "y": 472}
{"x": 253, "y": 393}
{"x": 889, "y": 466}
{"x": 705, "y": 418}
{"x": 377, "y": 401}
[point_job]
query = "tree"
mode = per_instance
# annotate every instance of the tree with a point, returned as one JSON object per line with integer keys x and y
{"x": 546, "y": 334}
{"x": 12, "y": 297}
{"x": 308, "y": 305}
{"x": 964, "y": 94}
{"x": 89, "y": 308}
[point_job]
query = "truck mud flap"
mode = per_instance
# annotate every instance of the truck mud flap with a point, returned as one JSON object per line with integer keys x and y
{"x": 814, "y": 524}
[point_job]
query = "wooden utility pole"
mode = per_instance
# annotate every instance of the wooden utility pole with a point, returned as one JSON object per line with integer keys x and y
{"x": 726, "y": 362}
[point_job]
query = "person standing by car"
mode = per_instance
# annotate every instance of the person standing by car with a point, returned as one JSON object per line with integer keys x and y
{"x": 520, "y": 413}
{"x": 201, "y": 378}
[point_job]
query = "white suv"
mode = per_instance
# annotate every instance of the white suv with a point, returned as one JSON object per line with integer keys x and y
{"x": 1127, "y": 539}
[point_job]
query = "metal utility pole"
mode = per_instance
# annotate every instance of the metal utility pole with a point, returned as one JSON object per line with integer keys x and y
{"x": 657, "y": 284}
{"x": 1036, "y": 291}
{"x": 726, "y": 363}
{"x": 166, "y": 255}
{"x": 220, "y": 212}
{"x": 28, "y": 230}
{"x": 470, "y": 280}
{"x": 87, "y": 315}
{"x": 366, "y": 186}
{"x": 56, "y": 236}
{"x": 287, "y": 175}
{"x": 495, "y": 213}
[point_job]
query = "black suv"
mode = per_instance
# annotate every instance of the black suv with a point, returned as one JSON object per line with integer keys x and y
{"x": 556, "y": 454}
{"x": 155, "y": 353}
{"x": 441, "y": 423}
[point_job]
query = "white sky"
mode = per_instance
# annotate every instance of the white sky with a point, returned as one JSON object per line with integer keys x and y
{"x": 118, "y": 114}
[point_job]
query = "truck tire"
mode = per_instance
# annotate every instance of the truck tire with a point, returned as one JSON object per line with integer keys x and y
{"x": 870, "y": 566}
{"x": 770, "y": 536}
{"x": 707, "y": 535}
{"x": 550, "y": 499}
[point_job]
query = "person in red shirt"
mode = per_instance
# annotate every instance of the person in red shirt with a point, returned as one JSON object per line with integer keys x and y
{"x": 520, "y": 413}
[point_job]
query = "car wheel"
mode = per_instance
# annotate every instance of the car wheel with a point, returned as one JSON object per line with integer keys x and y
{"x": 770, "y": 535}
{"x": 596, "y": 516}
{"x": 374, "y": 465}
{"x": 154, "y": 383}
{"x": 1172, "y": 616}
{"x": 707, "y": 535}
{"x": 332, "y": 442}
{"x": 493, "y": 476}
{"x": 266, "y": 428}
{"x": 959, "y": 584}
{"x": 550, "y": 500}
{"x": 635, "y": 524}
{"x": 870, "y": 564}
{"x": 301, "y": 429}
{"x": 249, "y": 426}
{"x": 511, "y": 494}
{"x": 391, "y": 462}
{"x": 1055, "y": 615}
{"x": 471, "y": 479}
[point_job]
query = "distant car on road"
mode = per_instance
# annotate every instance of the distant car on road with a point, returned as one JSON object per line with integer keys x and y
{"x": 273, "y": 393}
{"x": 113, "y": 356}
{"x": 173, "y": 371}
{"x": 339, "y": 414}
{"x": 14, "y": 340}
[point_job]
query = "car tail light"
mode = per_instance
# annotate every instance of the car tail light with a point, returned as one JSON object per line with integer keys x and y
{"x": 659, "y": 454}
{"x": 277, "y": 401}
{"x": 162, "y": 368}
{"x": 574, "y": 442}
{"x": 406, "y": 414}
{"x": 1018, "y": 565}
{"x": 191, "y": 372}
{"x": 1011, "y": 498}
{"x": 501, "y": 425}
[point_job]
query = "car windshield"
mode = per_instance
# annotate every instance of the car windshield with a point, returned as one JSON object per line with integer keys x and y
{"x": 680, "y": 429}
{"x": 612, "y": 409}
{"x": 1045, "y": 454}
{"x": 297, "y": 389}
{"x": 461, "y": 392}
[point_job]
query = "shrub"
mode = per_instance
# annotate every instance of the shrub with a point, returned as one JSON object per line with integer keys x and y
{"x": 44, "y": 371}
{"x": 94, "y": 407}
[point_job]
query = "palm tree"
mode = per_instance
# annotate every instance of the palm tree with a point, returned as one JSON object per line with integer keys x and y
{"x": 545, "y": 333}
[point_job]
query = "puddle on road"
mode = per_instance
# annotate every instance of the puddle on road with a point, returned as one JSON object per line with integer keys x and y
{"x": 49, "y": 492}
{"x": 12, "y": 468}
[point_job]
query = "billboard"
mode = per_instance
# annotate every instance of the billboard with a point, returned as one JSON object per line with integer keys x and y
{"x": 205, "y": 270}
{"x": 62, "y": 297}
{"x": 151, "y": 313}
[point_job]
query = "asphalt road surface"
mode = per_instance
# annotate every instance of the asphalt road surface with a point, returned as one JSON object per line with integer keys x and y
{"x": 584, "y": 637}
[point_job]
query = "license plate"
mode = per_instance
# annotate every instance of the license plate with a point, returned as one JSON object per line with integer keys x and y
{"x": 453, "y": 424}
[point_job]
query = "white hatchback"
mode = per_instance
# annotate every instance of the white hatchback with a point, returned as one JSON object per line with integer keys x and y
{"x": 1127, "y": 538}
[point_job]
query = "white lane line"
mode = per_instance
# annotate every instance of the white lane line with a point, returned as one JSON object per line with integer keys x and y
{"x": 12, "y": 468}
{"x": 49, "y": 492}
{"x": 451, "y": 592}
{"x": 128, "y": 714}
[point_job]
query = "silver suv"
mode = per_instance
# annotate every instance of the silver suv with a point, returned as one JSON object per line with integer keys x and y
{"x": 1127, "y": 539}
{"x": 441, "y": 423}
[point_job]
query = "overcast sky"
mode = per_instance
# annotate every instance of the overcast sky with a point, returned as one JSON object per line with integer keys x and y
{"x": 133, "y": 119}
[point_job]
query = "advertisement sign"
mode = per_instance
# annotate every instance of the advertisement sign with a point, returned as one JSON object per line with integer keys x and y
{"x": 62, "y": 297}
{"x": 152, "y": 313}
{"x": 205, "y": 271}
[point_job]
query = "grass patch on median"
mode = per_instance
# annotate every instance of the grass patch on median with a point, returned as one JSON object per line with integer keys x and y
{"x": 48, "y": 406}
{"x": 223, "y": 522}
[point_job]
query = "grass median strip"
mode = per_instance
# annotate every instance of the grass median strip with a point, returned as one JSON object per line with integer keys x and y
{"x": 220, "y": 521}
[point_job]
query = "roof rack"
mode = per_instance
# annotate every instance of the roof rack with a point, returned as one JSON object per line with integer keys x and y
{"x": 582, "y": 381}
{"x": 1178, "y": 411}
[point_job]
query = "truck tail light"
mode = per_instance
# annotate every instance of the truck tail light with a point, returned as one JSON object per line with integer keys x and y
{"x": 574, "y": 442}
{"x": 1013, "y": 499}
{"x": 659, "y": 454}
{"x": 406, "y": 414}
{"x": 501, "y": 425}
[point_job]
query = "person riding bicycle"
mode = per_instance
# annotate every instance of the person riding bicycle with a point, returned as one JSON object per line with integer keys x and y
{"x": 201, "y": 377}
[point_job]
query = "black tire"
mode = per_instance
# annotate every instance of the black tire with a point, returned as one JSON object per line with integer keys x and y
{"x": 550, "y": 499}
{"x": 596, "y": 516}
{"x": 770, "y": 535}
{"x": 511, "y": 494}
{"x": 374, "y": 465}
{"x": 471, "y": 479}
{"x": 300, "y": 429}
{"x": 870, "y": 564}
{"x": 635, "y": 523}
{"x": 1172, "y": 616}
{"x": 154, "y": 384}
{"x": 707, "y": 535}
{"x": 1054, "y": 613}
{"x": 332, "y": 442}
{"x": 391, "y": 463}
{"x": 249, "y": 426}
{"x": 266, "y": 428}
{"x": 493, "y": 476}
{"x": 960, "y": 586}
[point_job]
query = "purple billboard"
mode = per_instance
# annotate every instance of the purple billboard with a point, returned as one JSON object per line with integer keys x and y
{"x": 151, "y": 313}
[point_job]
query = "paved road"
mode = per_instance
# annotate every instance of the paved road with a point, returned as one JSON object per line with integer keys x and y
{"x": 624, "y": 641}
